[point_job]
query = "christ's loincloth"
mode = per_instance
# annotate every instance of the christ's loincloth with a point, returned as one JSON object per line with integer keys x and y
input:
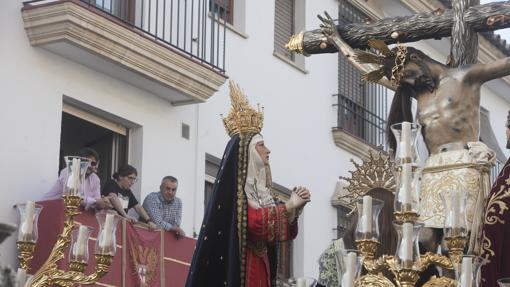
{"x": 464, "y": 168}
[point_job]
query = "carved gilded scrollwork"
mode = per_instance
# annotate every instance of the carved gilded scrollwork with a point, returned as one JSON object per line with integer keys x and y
{"x": 433, "y": 258}
{"x": 374, "y": 280}
{"x": 440, "y": 282}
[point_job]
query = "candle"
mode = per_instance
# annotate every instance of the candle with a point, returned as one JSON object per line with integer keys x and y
{"x": 81, "y": 242}
{"x": 301, "y": 282}
{"x": 27, "y": 226}
{"x": 405, "y": 187}
{"x": 405, "y": 140}
{"x": 350, "y": 270}
{"x": 466, "y": 276}
{"x": 72, "y": 182}
{"x": 107, "y": 231}
{"x": 407, "y": 242}
{"x": 347, "y": 280}
{"x": 21, "y": 277}
{"x": 366, "y": 218}
{"x": 351, "y": 263}
{"x": 455, "y": 211}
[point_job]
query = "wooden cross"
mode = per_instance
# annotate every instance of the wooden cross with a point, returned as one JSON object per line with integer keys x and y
{"x": 462, "y": 23}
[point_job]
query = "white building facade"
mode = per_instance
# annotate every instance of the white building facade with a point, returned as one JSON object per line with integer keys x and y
{"x": 158, "y": 108}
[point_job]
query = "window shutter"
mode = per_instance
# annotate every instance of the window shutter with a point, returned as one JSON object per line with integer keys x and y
{"x": 283, "y": 27}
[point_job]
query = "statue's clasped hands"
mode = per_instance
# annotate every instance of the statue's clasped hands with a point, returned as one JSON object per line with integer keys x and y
{"x": 299, "y": 197}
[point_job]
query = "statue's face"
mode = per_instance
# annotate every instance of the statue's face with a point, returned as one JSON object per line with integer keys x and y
{"x": 417, "y": 74}
{"x": 263, "y": 151}
{"x": 411, "y": 73}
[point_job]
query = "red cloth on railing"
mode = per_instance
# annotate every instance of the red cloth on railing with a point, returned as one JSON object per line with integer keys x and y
{"x": 144, "y": 256}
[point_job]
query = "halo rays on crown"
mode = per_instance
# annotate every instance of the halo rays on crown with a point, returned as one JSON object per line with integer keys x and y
{"x": 374, "y": 172}
{"x": 242, "y": 118}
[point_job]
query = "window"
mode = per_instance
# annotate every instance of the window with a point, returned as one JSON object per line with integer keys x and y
{"x": 81, "y": 129}
{"x": 224, "y": 9}
{"x": 281, "y": 193}
{"x": 284, "y": 27}
{"x": 123, "y": 9}
{"x": 361, "y": 105}
{"x": 289, "y": 20}
{"x": 343, "y": 219}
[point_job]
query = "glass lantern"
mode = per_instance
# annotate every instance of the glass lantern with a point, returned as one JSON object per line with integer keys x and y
{"x": 29, "y": 217}
{"x": 454, "y": 204}
{"x": 106, "y": 242}
{"x": 368, "y": 210}
{"x": 408, "y": 252}
{"x": 76, "y": 168}
{"x": 350, "y": 260}
{"x": 466, "y": 272}
{"x": 80, "y": 244}
{"x": 406, "y": 136}
{"x": 407, "y": 198}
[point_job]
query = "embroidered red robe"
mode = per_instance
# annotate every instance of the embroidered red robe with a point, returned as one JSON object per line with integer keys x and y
{"x": 266, "y": 226}
{"x": 496, "y": 231}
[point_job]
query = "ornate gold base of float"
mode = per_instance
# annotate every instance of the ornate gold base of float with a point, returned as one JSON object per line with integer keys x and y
{"x": 25, "y": 253}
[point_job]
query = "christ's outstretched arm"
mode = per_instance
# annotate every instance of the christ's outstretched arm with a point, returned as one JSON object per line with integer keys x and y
{"x": 481, "y": 73}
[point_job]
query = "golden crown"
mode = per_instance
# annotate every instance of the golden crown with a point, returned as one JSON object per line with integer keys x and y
{"x": 242, "y": 118}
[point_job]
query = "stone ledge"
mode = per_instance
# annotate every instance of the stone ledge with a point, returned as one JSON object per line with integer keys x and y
{"x": 352, "y": 144}
{"x": 171, "y": 74}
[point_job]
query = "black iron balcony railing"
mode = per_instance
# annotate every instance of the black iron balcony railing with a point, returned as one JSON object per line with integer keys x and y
{"x": 366, "y": 122}
{"x": 182, "y": 24}
{"x": 193, "y": 27}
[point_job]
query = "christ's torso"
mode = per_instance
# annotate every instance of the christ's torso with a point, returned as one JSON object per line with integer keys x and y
{"x": 449, "y": 114}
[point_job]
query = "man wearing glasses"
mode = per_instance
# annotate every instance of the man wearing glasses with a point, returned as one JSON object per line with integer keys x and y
{"x": 91, "y": 185}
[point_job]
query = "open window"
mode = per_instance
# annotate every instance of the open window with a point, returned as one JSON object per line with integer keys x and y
{"x": 81, "y": 129}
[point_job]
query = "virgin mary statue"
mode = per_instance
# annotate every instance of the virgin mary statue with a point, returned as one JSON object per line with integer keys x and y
{"x": 243, "y": 222}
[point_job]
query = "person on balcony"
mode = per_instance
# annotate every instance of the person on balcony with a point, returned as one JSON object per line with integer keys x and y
{"x": 118, "y": 190}
{"x": 164, "y": 208}
{"x": 91, "y": 185}
{"x": 243, "y": 223}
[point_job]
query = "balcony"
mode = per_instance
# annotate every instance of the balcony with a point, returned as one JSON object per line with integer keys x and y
{"x": 173, "y": 50}
{"x": 361, "y": 125}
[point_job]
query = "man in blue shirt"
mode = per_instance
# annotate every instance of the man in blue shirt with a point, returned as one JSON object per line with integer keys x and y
{"x": 164, "y": 208}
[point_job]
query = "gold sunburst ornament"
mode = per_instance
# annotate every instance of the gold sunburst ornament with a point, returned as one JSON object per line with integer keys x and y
{"x": 374, "y": 172}
{"x": 242, "y": 118}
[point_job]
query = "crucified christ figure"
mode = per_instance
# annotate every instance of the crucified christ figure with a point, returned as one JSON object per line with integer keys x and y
{"x": 448, "y": 109}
